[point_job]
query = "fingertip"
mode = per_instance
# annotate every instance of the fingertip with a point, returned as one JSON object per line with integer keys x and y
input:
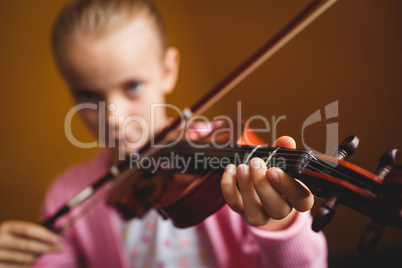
{"x": 230, "y": 168}
{"x": 273, "y": 175}
{"x": 256, "y": 163}
{"x": 285, "y": 142}
{"x": 243, "y": 171}
{"x": 309, "y": 203}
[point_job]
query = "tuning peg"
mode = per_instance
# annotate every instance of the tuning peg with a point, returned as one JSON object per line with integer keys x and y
{"x": 373, "y": 231}
{"x": 326, "y": 211}
{"x": 370, "y": 237}
{"x": 387, "y": 162}
{"x": 347, "y": 147}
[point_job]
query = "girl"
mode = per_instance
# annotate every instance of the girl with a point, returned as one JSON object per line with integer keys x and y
{"x": 115, "y": 52}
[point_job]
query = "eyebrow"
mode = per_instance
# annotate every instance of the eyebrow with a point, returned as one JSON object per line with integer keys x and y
{"x": 76, "y": 89}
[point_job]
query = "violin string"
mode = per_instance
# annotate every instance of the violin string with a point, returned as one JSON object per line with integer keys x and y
{"x": 274, "y": 157}
{"x": 301, "y": 154}
{"x": 365, "y": 186}
{"x": 279, "y": 153}
{"x": 231, "y": 150}
{"x": 248, "y": 156}
{"x": 350, "y": 179}
{"x": 241, "y": 149}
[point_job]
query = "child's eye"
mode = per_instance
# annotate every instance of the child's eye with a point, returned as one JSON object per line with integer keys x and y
{"x": 86, "y": 96}
{"x": 133, "y": 88}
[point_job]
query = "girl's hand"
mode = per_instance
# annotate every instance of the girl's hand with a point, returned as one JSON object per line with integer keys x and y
{"x": 263, "y": 194}
{"x": 22, "y": 242}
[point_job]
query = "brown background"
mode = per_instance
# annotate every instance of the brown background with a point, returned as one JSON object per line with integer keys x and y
{"x": 351, "y": 54}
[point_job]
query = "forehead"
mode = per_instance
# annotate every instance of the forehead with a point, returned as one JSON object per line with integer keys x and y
{"x": 102, "y": 61}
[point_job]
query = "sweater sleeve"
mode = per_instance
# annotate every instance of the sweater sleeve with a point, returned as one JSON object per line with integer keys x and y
{"x": 68, "y": 256}
{"x": 237, "y": 244}
{"x": 65, "y": 187}
{"x": 296, "y": 246}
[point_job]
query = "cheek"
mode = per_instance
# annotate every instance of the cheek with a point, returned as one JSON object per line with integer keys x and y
{"x": 157, "y": 110}
{"x": 91, "y": 119}
{"x": 151, "y": 96}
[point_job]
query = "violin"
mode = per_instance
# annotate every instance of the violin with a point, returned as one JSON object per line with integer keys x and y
{"x": 133, "y": 191}
{"x": 377, "y": 195}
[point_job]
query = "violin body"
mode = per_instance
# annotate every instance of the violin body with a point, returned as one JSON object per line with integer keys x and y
{"x": 187, "y": 198}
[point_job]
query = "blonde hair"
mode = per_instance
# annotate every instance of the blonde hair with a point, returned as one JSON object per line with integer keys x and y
{"x": 99, "y": 17}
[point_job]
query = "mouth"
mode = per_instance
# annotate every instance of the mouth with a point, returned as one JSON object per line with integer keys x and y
{"x": 126, "y": 136}
{"x": 130, "y": 141}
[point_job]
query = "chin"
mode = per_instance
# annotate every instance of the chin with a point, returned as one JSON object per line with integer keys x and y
{"x": 128, "y": 149}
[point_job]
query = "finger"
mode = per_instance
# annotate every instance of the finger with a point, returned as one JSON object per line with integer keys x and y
{"x": 13, "y": 265}
{"x": 254, "y": 211}
{"x": 273, "y": 202}
{"x": 31, "y": 230}
{"x": 16, "y": 257}
{"x": 297, "y": 194}
{"x": 28, "y": 245}
{"x": 285, "y": 142}
{"x": 230, "y": 191}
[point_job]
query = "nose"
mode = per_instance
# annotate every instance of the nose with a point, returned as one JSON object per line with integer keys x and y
{"x": 117, "y": 108}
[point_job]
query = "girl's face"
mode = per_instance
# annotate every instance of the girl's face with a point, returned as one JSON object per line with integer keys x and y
{"x": 125, "y": 72}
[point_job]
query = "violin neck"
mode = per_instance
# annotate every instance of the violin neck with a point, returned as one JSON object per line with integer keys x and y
{"x": 198, "y": 157}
